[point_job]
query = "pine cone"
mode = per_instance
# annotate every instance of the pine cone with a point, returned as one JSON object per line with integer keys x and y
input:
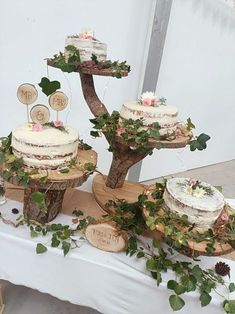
{"x": 222, "y": 269}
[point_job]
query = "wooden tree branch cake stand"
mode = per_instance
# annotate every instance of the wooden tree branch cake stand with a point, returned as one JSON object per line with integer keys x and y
{"x": 193, "y": 249}
{"x": 113, "y": 185}
{"x": 54, "y": 185}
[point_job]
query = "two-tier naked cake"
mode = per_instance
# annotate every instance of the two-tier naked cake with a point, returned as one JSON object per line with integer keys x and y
{"x": 200, "y": 201}
{"x": 87, "y": 46}
{"x": 44, "y": 148}
{"x": 152, "y": 111}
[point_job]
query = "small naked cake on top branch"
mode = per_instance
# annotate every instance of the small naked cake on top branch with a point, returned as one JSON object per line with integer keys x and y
{"x": 155, "y": 114}
{"x": 191, "y": 216}
{"x": 87, "y": 45}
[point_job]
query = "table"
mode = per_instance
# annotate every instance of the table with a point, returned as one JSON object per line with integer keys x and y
{"x": 111, "y": 283}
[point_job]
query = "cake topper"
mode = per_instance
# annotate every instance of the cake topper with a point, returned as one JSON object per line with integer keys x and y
{"x": 58, "y": 101}
{"x": 27, "y": 94}
{"x": 40, "y": 114}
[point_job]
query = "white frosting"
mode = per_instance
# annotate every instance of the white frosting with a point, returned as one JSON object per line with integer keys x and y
{"x": 86, "y": 48}
{"x": 49, "y": 148}
{"x": 166, "y": 116}
{"x": 203, "y": 211}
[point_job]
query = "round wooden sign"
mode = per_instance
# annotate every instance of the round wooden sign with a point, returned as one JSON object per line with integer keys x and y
{"x": 58, "y": 101}
{"x": 40, "y": 114}
{"x": 27, "y": 94}
{"x": 106, "y": 236}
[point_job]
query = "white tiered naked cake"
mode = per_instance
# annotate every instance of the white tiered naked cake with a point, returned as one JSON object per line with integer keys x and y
{"x": 152, "y": 111}
{"x": 87, "y": 46}
{"x": 48, "y": 148}
{"x": 200, "y": 201}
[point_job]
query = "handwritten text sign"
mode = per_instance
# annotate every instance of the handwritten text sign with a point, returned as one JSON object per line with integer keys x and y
{"x": 40, "y": 114}
{"x": 106, "y": 237}
{"x": 27, "y": 94}
{"x": 58, "y": 101}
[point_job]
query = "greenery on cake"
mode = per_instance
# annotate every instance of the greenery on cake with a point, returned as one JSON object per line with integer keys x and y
{"x": 132, "y": 132}
{"x": 56, "y": 125}
{"x": 74, "y": 64}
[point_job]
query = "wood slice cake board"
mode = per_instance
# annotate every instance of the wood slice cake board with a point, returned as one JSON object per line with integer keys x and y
{"x": 60, "y": 181}
{"x": 193, "y": 248}
{"x": 130, "y": 191}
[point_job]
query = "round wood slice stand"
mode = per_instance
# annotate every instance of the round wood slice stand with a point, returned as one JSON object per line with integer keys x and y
{"x": 194, "y": 248}
{"x": 55, "y": 187}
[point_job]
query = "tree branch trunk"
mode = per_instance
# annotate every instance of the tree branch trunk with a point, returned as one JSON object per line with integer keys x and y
{"x": 96, "y": 106}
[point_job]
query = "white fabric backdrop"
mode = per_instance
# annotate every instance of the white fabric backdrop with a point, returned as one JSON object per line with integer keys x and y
{"x": 111, "y": 283}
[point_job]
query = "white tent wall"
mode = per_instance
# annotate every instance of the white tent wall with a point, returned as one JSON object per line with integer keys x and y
{"x": 31, "y": 31}
{"x": 197, "y": 75}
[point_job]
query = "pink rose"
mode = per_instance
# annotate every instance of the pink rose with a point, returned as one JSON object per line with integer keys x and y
{"x": 224, "y": 217}
{"x": 58, "y": 123}
{"x": 178, "y": 132}
{"x": 120, "y": 131}
{"x": 193, "y": 182}
{"x": 153, "y": 102}
{"x": 82, "y": 36}
{"x": 37, "y": 127}
{"x": 147, "y": 102}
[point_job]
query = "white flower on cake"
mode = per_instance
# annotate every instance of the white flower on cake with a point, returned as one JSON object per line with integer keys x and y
{"x": 199, "y": 192}
{"x": 148, "y": 99}
{"x": 195, "y": 188}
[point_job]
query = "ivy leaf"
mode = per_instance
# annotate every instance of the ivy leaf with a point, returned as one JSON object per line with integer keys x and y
{"x": 66, "y": 247}
{"x": 176, "y": 302}
{"x": 43, "y": 179}
{"x": 77, "y": 213}
{"x": 95, "y": 134}
{"x": 38, "y": 197}
{"x": 40, "y": 249}
{"x": 205, "y": 299}
{"x": 33, "y": 233}
{"x": 54, "y": 241}
{"x": 65, "y": 170}
{"x": 231, "y": 287}
{"x": 49, "y": 87}
{"x": 200, "y": 142}
{"x": 7, "y": 174}
{"x": 229, "y": 306}
{"x": 190, "y": 125}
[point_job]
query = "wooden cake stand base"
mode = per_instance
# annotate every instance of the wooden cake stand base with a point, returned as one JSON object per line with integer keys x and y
{"x": 194, "y": 248}
{"x": 54, "y": 185}
{"x": 129, "y": 191}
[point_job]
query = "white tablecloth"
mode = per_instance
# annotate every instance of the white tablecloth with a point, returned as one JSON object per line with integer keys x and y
{"x": 112, "y": 283}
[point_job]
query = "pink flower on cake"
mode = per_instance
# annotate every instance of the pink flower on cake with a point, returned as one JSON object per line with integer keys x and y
{"x": 178, "y": 132}
{"x": 148, "y": 99}
{"x": 37, "y": 127}
{"x": 193, "y": 182}
{"x": 224, "y": 217}
{"x": 58, "y": 123}
{"x": 147, "y": 102}
{"x": 120, "y": 131}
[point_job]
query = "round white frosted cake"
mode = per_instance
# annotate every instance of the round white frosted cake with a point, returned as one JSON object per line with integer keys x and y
{"x": 51, "y": 148}
{"x": 87, "y": 45}
{"x": 200, "y": 201}
{"x": 152, "y": 111}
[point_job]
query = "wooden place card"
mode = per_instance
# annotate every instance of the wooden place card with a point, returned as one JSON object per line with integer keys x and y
{"x": 27, "y": 94}
{"x": 40, "y": 114}
{"x": 58, "y": 101}
{"x": 105, "y": 236}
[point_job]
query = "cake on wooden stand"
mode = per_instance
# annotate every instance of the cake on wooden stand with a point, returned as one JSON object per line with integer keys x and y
{"x": 193, "y": 215}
